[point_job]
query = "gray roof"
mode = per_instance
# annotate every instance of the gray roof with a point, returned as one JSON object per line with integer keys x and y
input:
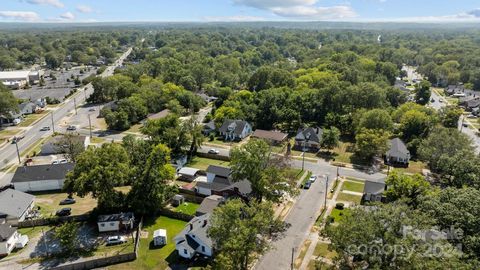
{"x": 27, "y": 105}
{"x": 116, "y": 217}
{"x": 219, "y": 170}
{"x": 6, "y": 231}
{"x": 372, "y": 187}
{"x": 188, "y": 171}
{"x": 208, "y": 204}
{"x": 209, "y": 126}
{"x": 198, "y": 227}
{"x": 244, "y": 187}
{"x": 397, "y": 146}
{"x": 14, "y": 203}
{"x": 235, "y": 126}
{"x": 42, "y": 172}
{"x": 270, "y": 135}
{"x": 212, "y": 185}
{"x": 313, "y": 134}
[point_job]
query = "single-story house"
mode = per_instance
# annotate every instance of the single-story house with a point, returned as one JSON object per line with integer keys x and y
{"x": 453, "y": 89}
{"x": 308, "y": 139}
{"x": 159, "y": 115}
{"x": 53, "y": 145}
{"x": 208, "y": 128}
{"x": 115, "y": 222}
{"x": 214, "y": 171}
{"x": 41, "y": 177}
{"x": 272, "y": 136}
{"x": 15, "y": 205}
{"x": 401, "y": 84}
{"x": 27, "y": 108}
{"x": 219, "y": 182}
{"x": 193, "y": 239}
{"x": 10, "y": 239}
{"x": 469, "y": 102}
{"x": 398, "y": 153}
{"x": 209, "y": 204}
{"x": 373, "y": 191}
{"x": 235, "y": 130}
{"x": 188, "y": 174}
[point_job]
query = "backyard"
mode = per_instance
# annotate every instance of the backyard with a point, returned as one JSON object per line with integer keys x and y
{"x": 49, "y": 203}
{"x": 203, "y": 163}
{"x": 187, "y": 208}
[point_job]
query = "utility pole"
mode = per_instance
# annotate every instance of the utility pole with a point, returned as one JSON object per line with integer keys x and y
{"x": 18, "y": 152}
{"x": 75, "y": 105}
{"x": 53, "y": 124}
{"x": 326, "y": 191}
{"x": 90, "y": 124}
{"x": 293, "y": 254}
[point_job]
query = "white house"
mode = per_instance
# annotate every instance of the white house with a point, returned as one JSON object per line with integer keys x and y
{"x": 10, "y": 239}
{"x": 398, "y": 153}
{"x": 115, "y": 222}
{"x": 219, "y": 182}
{"x": 193, "y": 239}
{"x": 373, "y": 191}
{"x": 160, "y": 237}
{"x": 15, "y": 206}
{"x": 41, "y": 177}
{"x": 235, "y": 130}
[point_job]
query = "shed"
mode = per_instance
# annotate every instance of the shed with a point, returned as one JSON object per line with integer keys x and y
{"x": 178, "y": 200}
{"x": 160, "y": 237}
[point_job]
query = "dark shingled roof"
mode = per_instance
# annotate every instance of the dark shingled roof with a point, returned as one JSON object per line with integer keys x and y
{"x": 219, "y": 170}
{"x": 6, "y": 231}
{"x": 269, "y": 135}
{"x": 208, "y": 204}
{"x": 236, "y": 125}
{"x": 372, "y": 187}
{"x": 313, "y": 134}
{"x": 116, "y": 217}
{"x": 397, "y": 145}
{"x": 42, "y": 172}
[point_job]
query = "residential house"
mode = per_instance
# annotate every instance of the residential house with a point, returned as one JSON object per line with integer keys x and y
{"x": 209, "y": 204}
{"x": 15, "y": 206}
{"x": 469, "y": 103}
{"x": 47, "y": 177}
{"x": 159, "y": 115}
{"x": 209, "y": 128}
{"x": 10, "y": 239}
{"x": 188, "y": 174}
{"x": 454, "y": 89}
{"x": 373, "y": 191}
{"x": 219, "y": 182}
{"x": 27, "y": 108}
{"x": 401, "y": 84}
{"x": 398, "y": 154}
{"x": 54, "y": 145}
{"x": 308, "y": 139}
{"x": 274, "y": 137}
{"x": 116, "y": 222}
{"x": 193, "y": 239}
{"x": 235, "y": 130}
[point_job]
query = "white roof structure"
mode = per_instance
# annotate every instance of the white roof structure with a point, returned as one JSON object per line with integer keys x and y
{"x": 188, "y": 171}
{"x": 160, "y": 232}
{"x": 14, "y": 75}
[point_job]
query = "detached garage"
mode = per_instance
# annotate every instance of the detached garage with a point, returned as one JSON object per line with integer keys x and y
{"x": 41, "y": 177}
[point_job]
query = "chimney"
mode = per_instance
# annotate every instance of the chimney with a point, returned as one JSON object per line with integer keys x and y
{"x": 204, "y": 223}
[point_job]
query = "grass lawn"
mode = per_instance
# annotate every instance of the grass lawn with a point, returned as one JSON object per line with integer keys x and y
{"x": 34, "y": 231}
{"x": 97, "y": 140}
{"x": 302, "y": 253}
{"x": 294, "y": 173}
{"x": 353, "y": 186}
{"x": 135, "y": 128}
{"x": 413, "y": 167}
{"x": 188, "y": 208}
{"x": 7, "y": 133}
{"x": 321, "y": 250}
{"x": 29, "y": 119}
{"x": 104, "y": 250}
{"x": 155, "y": 258}
{"x": 203, "y": 163}
{"x": 309, "y": 173}
{"x": 49, "y": 203}
{"x": 337, "y": 214}
{"x": 349, "y": 198}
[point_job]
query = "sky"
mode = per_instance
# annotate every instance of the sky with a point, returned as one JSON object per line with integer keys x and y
{"x": 238, "y": 10}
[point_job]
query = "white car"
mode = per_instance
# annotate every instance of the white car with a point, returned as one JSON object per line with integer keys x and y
{"x": 55, "y": 162}
{"x": 312, "y": 178}
{"x": 115, "y": 240}
{"x": 213, "y": 151}
{"x": 62, "y": 161}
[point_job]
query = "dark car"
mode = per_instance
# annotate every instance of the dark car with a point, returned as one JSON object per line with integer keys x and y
{"x": 307, "y": 185}
{"x": 68, "y": 201}
{"x": 64, "y": 212}
{"x": 71, "y": 128}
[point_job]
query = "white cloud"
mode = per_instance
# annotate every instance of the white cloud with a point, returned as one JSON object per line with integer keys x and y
{"x": 237, "y": 18}
{"x": 55, "y": 3}
{"x": 470, "y": 16}
{"x": 67, "y": 16}
{"x": 84, "y": 9}
{"x": 20, "y": 15}
{"x": 301, "y": 9}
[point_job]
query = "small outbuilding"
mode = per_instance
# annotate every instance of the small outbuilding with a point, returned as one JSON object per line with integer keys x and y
{"x": 115, "y": 222}
{"x": 178, "y": 200}
{"x": 160, "y": 237}
{"x": 188, "y": 174}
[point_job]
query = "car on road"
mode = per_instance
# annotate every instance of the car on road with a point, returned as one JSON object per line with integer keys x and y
{"x": 307, "y": 184}
{"x": 45, "y": 129}
{"x": 67, "y": 211}
{"x": 312, "y": 178}
{"x": 115, "y": 240}
{"x": 213, "y": 151}
{"x": 432, "y": 100}
{"x": 62, "y": 161}
{"x": 91, "y": 109}
{"x": 71, "y": 128}
{"x": 465, "y": 125}
{"x": 439, "y": 100}
{"x": 55, "y": 162}
{"x": 67, "y": 201}
{"x": 471, "y": 116}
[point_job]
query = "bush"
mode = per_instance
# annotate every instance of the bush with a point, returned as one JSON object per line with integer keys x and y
{"x": 339, "y": 206}
{"x": 211, "y": 137}
{"x": 330, "y": 220}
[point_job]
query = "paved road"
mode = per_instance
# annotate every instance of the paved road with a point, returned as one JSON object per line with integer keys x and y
{"x": 32, "y": 135}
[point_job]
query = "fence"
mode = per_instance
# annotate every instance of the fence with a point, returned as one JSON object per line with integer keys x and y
{"x": 175, "y": 215}
{"x": 49, "y": 221}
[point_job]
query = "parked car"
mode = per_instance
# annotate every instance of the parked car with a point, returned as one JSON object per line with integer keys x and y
{"x": 312, "y": 178}
{"x": 67, "y": 201}
{"x": 432, "y": 100}
{"x": 465, "y": 125}
{"x": 45, "y": 129}
{"x": 67, "y": 211}
{"x": 71, "y": 128}
{"x": 307, "y": 185}
{"x": 55, "y": 162}
{"x": 91, "y": 110}
{"x": 213, "y": 151}
{"x": 62, "y": 161}
{"x": 115, "y": 240}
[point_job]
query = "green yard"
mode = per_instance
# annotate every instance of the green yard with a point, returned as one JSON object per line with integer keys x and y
{"x": 150, "y": 257}
{"x": 49, "y": 203}
{"x": 345, "y": 197}
{"x": 336, "y": 214}
{"x": 321, "y": 250}
{"x": 413, "y": 167}
{"x": 188, "y": 208}
{"x": 353, "y": 186}
{"x": 29, "y": 119}
{"x": 203, "y": 163}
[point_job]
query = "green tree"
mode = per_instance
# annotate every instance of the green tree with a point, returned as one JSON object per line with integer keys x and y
{"x": 330, "y": 138}
{"x": 66, "y": 234}
{"x": 195, "y": 131}
{"x": 152, "y": 189}
{"x": 97, "y": 172}
{"x": 423, "y": 92}
{"x": 8, "y": 103}
{"x": 70, "y": 145}
{"x": 402, "y": 186}
{"x": 241, "y": 233}
{"x": 450, "y": 115}
{"x": 371, "y": 143}
{"x": 53, "y": 60}
{"x": 376, "y": 119}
